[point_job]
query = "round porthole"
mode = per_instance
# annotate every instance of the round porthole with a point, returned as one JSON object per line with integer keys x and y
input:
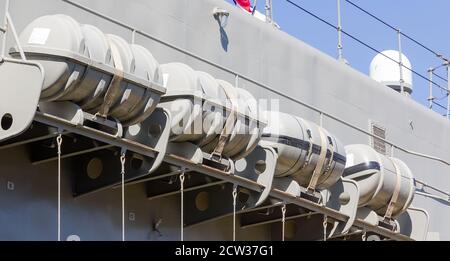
{"x": 154, "y": 130}
{"x": 94, "y": 168}
{"x": 7, "y": 121}
{"x": 202, "y": 201}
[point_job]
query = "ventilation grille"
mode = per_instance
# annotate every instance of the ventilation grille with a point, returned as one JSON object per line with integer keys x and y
{"x": 377, "y": 143}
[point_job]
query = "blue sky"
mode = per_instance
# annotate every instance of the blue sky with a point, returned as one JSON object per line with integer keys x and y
{"x": 424, "y": 20}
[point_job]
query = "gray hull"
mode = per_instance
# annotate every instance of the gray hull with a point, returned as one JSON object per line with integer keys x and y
{"x": 268, "y": 63}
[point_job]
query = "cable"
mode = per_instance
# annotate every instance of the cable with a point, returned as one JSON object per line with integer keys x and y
{"x": 365, "y": 44}
{"x": 439, "y": 105}
{"x": 234, "y": 193}
{"x": 371, "y": 15}
{"x": 182, "y": 177}
{"x": 313, "y": 15}
{"x": 59, "y": 142}
{"x": 325, "y": 224}
{"x": 122, "y": 174}
{"x": 283, "y": 221}
{"x": 440, "y": 77}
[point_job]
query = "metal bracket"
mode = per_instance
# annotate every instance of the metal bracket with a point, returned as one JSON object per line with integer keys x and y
{"x": 344, "y": 197}
{"x": 44, "y": 151}
{"x": 258, "y": 166}
{"x": 216, "y": 202}
{"x": 36, "y": 132}
{"x": 167, "y": 184}
{"x": 272, "y": 214}
{"x": 186, "y": 150}
{"x": 164, "y": 184}
{"x": 414, "y": 223}
{"x": 153, "y": 132}
{"x": 367, "y": 215}
{"x": 21, "y": 86}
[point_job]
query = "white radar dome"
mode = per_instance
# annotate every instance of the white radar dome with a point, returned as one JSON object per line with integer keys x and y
{"x": 387, "y": 71}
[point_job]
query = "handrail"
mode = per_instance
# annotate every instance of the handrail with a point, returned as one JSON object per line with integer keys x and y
{"x": 365, "y": 44}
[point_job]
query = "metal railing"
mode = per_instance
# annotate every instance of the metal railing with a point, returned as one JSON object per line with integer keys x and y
{"x": 399, "y": 37}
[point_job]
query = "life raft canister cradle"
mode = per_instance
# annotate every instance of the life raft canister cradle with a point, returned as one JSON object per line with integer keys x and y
{"x": 107, "y": 98}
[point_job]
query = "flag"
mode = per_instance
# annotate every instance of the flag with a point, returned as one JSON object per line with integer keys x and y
{"x": 245, "y": 4}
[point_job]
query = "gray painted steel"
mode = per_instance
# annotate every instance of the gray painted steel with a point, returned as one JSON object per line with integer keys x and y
{"x": 286, "y": 68}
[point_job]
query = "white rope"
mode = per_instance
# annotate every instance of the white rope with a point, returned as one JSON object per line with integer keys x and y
{"x": 59, "y": 143}
{"x": 325, "y": 224}
{"x": 234, "y": 211}
{"x": 364, "y": 235}
{"x": 182, "y": 205}
{"x": 122, "y": 173}
{"x": 283, "y": 221}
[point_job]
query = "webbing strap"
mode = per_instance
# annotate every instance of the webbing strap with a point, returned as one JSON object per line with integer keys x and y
{"x": 114, "y": 85}
{"x": 396, "y": 192}
{"x": 228, "y": 127}
{"x": 320, "y": 163}
{"x": 330, "y": 161}
{"x": 310, "y": 147}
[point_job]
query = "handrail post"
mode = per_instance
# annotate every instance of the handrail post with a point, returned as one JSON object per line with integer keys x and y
{"x": 400, "y": 62}
{"x": 448, "y": 89}
{"x": 339, "y": 31}
{"x": 269, "y": 13}
{"x": 5, "y": 28}
{"x": 430, "y": 88}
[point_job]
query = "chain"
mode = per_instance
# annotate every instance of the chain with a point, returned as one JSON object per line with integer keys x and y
{"x": 59, "y": 143}
{"x": 122, "y": 173}
{"x": 364, "y": 236}
{"x": 283, "y": 221}
{"x": 234, "y": 211}
{"x": 182, "y": 204}
{"x": 325, "y": 224}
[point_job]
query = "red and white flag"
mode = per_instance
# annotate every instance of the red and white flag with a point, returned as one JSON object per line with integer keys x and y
{"x": 245, "y": 4}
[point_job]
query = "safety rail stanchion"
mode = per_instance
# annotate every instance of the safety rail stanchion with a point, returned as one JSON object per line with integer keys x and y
{"x": 430, "y": 88}
{"x": 400, "y": 61}
{"x": 5, "y": 28}
{"x": 448, "y": 89}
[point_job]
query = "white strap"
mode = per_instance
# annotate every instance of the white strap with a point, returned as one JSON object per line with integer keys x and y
{"x": 310, "y": 148}
{"x": 396, "y": 192}
{"x": 228, "y": 127}
{"x": 320, "y": 163}
{"x": 116, "y": 57}
{"x": 330, "y": 161}
{"x": 114, "y": 85}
